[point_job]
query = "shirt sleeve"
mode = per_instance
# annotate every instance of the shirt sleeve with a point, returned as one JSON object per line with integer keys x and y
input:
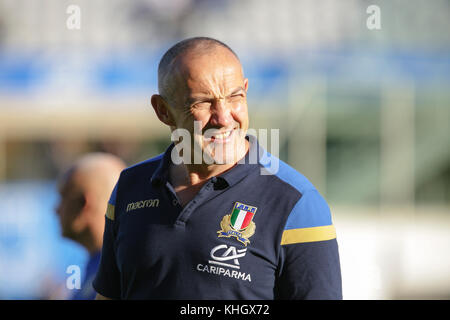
{"x": 107, "y": 279}
{"x": 309, "y": 257}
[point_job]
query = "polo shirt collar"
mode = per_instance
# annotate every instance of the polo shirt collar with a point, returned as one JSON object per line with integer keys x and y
{"x": 161, "y": 174}
{"x": 245, "y": 166}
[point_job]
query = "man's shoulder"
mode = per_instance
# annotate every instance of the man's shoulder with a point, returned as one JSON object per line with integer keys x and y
{"x": 288, "y": 175}
{"x": 147, "y": 166}
{"x": 310, "y": 210}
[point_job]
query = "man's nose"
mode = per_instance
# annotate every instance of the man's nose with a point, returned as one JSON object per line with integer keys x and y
{"x": 221, "y": 114}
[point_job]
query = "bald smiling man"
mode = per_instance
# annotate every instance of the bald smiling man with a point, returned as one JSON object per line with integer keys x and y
{"x": 84, "y": 192}
{"x": 217, "y": 228}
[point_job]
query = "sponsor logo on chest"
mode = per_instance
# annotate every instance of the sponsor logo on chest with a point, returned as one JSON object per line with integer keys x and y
{"x": 224, "y": 259}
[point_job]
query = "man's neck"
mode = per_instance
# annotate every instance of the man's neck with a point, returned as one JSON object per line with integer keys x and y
{"x": 187, "y": 180}
{"x": 187, "y": 175}
{"x": 190, "y": 175}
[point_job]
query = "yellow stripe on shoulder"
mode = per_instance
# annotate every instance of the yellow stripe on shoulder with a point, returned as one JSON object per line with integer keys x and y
{"x": 302, "y": 235}
{"x": 110, "y": 211}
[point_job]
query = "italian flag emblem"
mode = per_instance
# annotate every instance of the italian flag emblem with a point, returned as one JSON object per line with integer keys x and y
{"x": 240, "y": 219}
{"x": 239, "y": 223}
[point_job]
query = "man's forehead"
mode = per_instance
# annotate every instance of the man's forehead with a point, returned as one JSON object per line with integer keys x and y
{"x": 204, "y": 62}
{"x": 208, "y": 72}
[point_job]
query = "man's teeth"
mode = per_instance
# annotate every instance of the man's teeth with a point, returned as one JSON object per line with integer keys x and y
{"x": 223, "y": 135}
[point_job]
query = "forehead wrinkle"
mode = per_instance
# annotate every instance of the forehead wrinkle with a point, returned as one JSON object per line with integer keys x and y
{"x": 219, "y": 84}
{"x": 207, "y": 75}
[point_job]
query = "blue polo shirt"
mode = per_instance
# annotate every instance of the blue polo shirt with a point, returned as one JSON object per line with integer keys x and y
{"x": 249, "y": 233}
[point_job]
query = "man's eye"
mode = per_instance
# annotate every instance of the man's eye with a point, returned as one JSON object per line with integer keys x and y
{"x": 236, "y": 97}
{"x": 202, "y": 104}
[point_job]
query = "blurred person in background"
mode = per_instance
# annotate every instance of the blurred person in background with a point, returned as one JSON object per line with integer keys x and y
{"x": 85, "y": 189}
{"x": 214, "y": 229}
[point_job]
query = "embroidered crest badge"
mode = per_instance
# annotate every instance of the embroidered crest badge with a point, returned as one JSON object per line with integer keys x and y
{"x": 239, "y": 223}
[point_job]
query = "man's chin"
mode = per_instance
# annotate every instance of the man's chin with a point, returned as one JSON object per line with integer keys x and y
{"x": 229, "y": 153}
{"x": 221, "y": 160}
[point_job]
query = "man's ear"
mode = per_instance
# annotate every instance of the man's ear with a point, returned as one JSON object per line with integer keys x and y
{"x": 162, "y": 110}
{"x": 246, "y": 84}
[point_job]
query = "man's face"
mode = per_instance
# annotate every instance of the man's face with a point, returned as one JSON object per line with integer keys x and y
{"x": 211, "y": 90}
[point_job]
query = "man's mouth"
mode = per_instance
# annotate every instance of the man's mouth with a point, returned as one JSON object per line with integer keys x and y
{"x": 222, "y": 137}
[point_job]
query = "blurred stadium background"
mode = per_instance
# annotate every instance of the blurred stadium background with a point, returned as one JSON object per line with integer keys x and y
{"x": 363, "y": 113}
